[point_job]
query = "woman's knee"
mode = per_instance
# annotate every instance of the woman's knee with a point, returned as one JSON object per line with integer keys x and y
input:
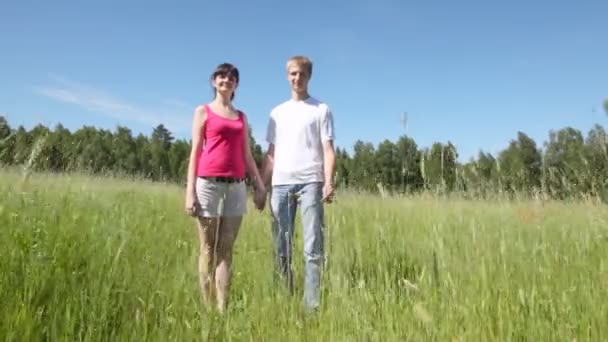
{"x": 206, "y": 249}
{"x": 225, "y": 252}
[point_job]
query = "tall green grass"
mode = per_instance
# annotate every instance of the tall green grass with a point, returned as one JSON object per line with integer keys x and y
{"x": 97, "y": 259}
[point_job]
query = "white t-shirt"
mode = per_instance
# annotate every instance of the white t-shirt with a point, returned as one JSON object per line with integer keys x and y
{"x": 298, "y": 129}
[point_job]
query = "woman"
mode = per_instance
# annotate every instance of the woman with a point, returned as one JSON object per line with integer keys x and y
{"x": 215, "y": 191}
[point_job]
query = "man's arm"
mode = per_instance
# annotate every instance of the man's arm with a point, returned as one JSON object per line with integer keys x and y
{"x": 269, "y": 157}
{"x": 268, "y": 165}
{"x": 329, "y": 163}
{"x": 329, "y": 154}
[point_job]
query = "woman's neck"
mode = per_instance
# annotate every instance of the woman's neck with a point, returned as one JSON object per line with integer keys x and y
{"x": 222, "y": 101}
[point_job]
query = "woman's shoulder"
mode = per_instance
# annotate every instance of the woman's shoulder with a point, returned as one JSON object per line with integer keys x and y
{"x": 201, "y": 110}
{"x": 241, "y": 114}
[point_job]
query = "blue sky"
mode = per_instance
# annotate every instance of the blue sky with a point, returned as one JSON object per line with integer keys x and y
{"x": 469, "y": 72}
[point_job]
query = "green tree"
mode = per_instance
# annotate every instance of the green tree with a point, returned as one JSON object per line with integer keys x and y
{"x": 144, "y": 156}
{"x": 364, "y": 170}
{"x": 566, "y": 163}
{"x": 408, "y": 162}
{"x": 5, "y": 129}
{"x": 39, "y": 157}
{"x": 440, "y": 166}
{"x": 7, "y": 142}
{"x": 179, "y": 153}
{"x": 23, "y": 145}
{"x": 124, "y": 151}
{"x": 160, "y": 143}
{"x": 54, "y": 153}
{"x": 486, "y": 165}
{"x": 92, "y": 150}
{"x": 520, "y": 164}
{"x": 480, "y": 175}
{"x": 343, "y": 165}
{"x": 256, "y": 150}
{"x": 81, "y": 153}
{"x": 597, "y": 155}
{"x": 387, "y": 164}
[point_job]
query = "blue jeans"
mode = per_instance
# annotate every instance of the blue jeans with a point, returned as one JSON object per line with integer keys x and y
{"x": 284, "y": 200}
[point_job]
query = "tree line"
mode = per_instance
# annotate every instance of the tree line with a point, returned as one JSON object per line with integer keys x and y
{"x": 569, "y": 164}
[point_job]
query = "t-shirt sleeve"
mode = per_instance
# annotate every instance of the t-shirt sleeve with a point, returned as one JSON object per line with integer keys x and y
{"x": 327, "y": 126}
{"x": 271, "y": 130}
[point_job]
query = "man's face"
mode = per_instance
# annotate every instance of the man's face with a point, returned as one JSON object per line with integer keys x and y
{"x": 298, "y": 77}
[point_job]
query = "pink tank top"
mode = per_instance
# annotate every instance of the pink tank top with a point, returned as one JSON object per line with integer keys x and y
{"x": 222, "y": 153}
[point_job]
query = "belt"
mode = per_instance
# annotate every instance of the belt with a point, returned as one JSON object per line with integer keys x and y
{"x": 224, "y": 179}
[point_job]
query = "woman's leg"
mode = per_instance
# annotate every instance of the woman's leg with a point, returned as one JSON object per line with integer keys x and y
{"x": 229, "y": 229}
{"x": 208, "y": 194}
{"x": 207, "y": 233}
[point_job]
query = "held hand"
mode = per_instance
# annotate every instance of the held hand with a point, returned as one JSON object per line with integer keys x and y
{"x": 328, "y": 192}
{"x": 190, "y": 204}
{"x": 259, "y": 198}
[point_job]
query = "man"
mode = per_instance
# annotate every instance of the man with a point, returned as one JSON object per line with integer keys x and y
{"x": 300, "y": 161}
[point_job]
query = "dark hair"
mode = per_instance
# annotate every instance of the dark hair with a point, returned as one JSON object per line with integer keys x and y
{"x": 226, "y": 69}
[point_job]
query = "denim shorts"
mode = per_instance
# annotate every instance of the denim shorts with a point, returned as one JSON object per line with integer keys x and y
{"x": 217, "y": 199}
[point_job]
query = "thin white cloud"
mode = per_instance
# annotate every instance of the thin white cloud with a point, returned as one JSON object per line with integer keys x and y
{"x": 174, "y": 114}
{"x": 177, "y": 103}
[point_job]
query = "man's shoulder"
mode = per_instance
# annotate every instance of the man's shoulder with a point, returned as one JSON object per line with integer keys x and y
{"x": 311, "y": 101}
{"x": 288, "y": 106}
{"x": 280, "y": 107}
{"x": 319, "y": 104}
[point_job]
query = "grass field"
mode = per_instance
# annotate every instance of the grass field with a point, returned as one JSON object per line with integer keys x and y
{"x": 93, "y": 259}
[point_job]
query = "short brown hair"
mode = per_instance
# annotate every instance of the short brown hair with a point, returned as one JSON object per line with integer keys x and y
{"x": 302, "y": 61}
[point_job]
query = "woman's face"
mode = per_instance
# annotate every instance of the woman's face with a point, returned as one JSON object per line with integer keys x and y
{"x": 225, "y": 83}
